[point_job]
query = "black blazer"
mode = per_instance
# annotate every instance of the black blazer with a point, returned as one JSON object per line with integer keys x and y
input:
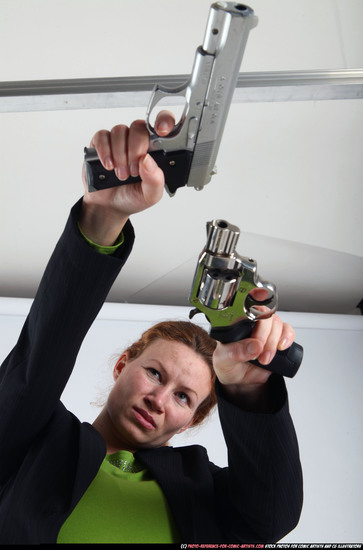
{"x": 48, "y": 457}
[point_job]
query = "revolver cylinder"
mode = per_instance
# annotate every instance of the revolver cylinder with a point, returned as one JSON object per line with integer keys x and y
{"x": 217, "y": 289}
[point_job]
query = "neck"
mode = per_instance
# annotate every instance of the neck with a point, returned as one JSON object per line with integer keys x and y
{"x": 113, "y": 442}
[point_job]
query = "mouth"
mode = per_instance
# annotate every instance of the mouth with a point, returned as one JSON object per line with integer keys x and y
{"x": 144, "y": 418}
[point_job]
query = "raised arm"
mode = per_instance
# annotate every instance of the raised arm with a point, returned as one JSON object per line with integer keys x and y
{"x": 264, "y": 478}
{"x": 73, "y": 288}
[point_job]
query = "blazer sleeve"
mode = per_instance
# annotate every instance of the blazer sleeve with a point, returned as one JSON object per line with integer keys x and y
{"x": 261, "y": 491}
{"x": 73, "y": 288}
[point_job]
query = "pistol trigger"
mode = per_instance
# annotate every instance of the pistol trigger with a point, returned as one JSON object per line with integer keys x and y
{"x": 157, "y": 95}
{"x": 160, "y": 93}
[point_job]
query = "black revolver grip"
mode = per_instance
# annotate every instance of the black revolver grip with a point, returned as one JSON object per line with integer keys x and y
{"x": 286, "y": 362}
{"x": 175, "y": 165}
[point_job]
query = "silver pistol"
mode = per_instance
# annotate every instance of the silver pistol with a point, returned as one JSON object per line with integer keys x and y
{"x": 188, "y": 154}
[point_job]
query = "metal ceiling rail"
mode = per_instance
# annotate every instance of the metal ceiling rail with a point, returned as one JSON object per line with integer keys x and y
{"x": 123, "y": 92}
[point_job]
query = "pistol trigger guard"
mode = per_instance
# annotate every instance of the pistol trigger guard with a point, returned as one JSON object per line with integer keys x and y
{"x": 159, "y": 93}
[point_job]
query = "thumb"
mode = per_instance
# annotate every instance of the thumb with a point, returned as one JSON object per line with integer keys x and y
{"x": 152, "y": 179}
{"x": 250, "y": 349}
{"x": 242, "y": 351}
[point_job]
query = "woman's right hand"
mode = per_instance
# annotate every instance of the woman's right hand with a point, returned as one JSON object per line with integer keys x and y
{"x": 123, "y": 149}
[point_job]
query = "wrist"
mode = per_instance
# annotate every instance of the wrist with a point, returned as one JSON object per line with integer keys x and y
{"x": 249, "y": 397}
{"x": 101, "y": 224}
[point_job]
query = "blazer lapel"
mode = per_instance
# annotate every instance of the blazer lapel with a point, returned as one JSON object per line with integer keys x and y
{"x": 168, "y": 469}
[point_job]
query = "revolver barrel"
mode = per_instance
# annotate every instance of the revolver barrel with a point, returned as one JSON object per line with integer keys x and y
{"x": 222, "y": 237}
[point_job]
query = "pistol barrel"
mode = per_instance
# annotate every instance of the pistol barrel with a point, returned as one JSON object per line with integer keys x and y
{"x": 226, "y": 36}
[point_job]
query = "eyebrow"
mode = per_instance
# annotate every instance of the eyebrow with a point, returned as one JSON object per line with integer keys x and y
{"x": 162, "y": 367}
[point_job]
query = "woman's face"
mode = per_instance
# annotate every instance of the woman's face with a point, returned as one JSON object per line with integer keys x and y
{"x": 156, "y": 395}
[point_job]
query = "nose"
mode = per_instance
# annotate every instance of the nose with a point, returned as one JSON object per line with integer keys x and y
{"x": 157, "y": 399}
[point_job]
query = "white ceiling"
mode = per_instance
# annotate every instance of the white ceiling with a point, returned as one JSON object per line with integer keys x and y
{"x": 289, "y": 173}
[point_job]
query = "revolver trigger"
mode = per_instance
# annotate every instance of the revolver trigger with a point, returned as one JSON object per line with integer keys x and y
{"x": 193, "y": 312}
{"x": 251, "y": 302}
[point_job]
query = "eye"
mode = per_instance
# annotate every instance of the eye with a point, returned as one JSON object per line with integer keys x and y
{"x": 154, "y": 373}
{"x": 183, "y": 397}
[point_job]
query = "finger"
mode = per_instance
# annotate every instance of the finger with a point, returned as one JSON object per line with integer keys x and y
{"x": 119, "y": 146}
{"x": 138, "y": 145}
{"x": 263, "y": 327}
{"x": 102, "y": 143}
{"x": 164, "y": 123}
{"x": 287, "y": 337}
{"x": 259, "y": 294}
{"x": 272, "y": 340}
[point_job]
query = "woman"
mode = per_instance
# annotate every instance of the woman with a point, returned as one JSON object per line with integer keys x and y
{"x": 61, "y": 479}
{"x": 164, "y": 383}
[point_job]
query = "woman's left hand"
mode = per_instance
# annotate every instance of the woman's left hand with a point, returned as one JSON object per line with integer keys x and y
{"x": 231, "y": 361}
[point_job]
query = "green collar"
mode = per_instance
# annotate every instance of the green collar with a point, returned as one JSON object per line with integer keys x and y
{"x": 125, "y": 461}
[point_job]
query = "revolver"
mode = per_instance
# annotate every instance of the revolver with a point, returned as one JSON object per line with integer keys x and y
{"x": 223, "y": 289}
{"x": 187, "y": 155}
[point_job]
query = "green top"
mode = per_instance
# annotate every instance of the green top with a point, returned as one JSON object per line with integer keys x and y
{"x": 123, "y": 504}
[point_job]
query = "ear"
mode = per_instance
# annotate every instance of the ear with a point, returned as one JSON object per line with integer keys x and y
{"x": 121, "y": 363}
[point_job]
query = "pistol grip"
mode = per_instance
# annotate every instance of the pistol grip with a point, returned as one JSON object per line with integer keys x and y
{"x": 285, "y": 363}
{"x": 175, "y": 165}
